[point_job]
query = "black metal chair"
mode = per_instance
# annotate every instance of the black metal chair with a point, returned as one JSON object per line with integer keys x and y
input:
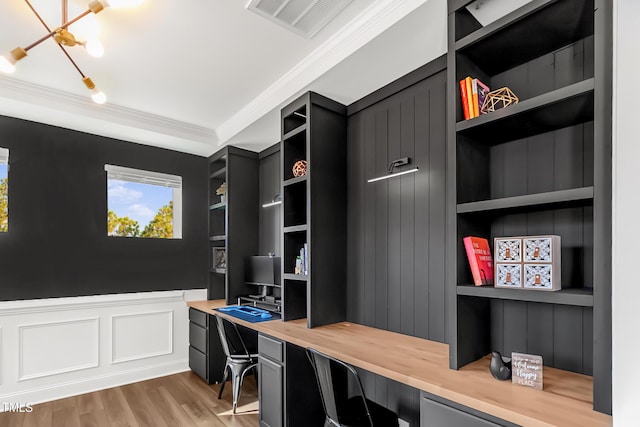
{"x": 239, "y": 359}
{"x": 340, "y": 409}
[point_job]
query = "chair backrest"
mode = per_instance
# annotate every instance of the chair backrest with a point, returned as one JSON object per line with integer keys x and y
{"x": 230, "y": 338}
{"x": 332, "y": 389}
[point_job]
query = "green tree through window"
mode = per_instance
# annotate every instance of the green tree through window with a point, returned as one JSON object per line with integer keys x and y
{"x": 4, "y": 204}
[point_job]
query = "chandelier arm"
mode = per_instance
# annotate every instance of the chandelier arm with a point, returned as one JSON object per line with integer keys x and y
{"x": 53, "y": 32}
{"x": 72, "y": 61}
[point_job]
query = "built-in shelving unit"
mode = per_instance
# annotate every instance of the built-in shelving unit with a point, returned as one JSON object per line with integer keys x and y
{"x": 314, "y": 210}
{"x": 541, "y": 166}
{"x": 233, "y": 220}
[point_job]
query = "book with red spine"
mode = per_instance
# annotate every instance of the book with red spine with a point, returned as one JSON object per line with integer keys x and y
{"x": 463, "y": 97}
{"x": 467, "y": 81}
{"x": 480, "y": 260}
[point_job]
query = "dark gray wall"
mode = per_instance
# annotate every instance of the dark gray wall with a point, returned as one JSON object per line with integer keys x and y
{"x": 57, "y": 243}
{"x": 396, "y": 227}
{"x": 270, "y": 228}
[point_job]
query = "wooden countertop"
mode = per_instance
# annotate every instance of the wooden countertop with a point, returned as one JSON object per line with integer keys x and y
{"x": 566, "y": 401}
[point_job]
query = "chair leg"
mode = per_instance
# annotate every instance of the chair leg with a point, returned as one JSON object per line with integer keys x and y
{"x": 238, "y": 372}
{"x": 225, "y": 377}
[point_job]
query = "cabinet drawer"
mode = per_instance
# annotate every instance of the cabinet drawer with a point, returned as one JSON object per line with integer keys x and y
{"x": 198, "y": 363}
{"x": 197, "y": 316}
{"x": 270, "y": 347}
{"x": 436, "y": 414}
{"x": 198, "y": 337}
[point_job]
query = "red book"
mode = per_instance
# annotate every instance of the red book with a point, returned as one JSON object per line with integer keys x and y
{"x": 480, "y": 261}
{"x": 465, "y": 100}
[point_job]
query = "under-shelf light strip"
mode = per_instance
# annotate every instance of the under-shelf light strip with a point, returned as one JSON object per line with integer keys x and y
{"x": 392, "y": 175}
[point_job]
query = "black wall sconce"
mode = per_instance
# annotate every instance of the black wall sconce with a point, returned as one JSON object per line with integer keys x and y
{"x": 392, "y": 173}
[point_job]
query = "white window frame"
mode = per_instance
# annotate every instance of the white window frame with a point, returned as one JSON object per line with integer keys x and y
{"x": 4, "y": 156}
{"x": 122, "y": 173}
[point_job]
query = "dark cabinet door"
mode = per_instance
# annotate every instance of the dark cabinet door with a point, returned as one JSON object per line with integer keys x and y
{"x": 436, "y": 414}
{"x": 270, "y": 392}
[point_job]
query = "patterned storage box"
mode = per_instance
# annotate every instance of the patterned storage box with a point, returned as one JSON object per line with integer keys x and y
{"x": 540, "y": 249}
{"x": 508, "y": 250}
{"x": 508, "y": 276}
{"x": 537, "y": 259}
{"x": 540, "y": 276}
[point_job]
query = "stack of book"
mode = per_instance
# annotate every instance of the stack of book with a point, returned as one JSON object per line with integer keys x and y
{"x": 473, "y": 93}
{"x": 302, "y": 261}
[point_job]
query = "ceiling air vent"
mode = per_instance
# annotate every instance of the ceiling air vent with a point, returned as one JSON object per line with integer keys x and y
{"x": 303, "y": 17}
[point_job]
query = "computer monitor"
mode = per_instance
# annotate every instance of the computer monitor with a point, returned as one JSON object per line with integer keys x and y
{"x": 262, "y": 270}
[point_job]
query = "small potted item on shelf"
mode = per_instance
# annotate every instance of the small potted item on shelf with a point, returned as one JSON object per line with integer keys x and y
{"x": 222, "y": 192}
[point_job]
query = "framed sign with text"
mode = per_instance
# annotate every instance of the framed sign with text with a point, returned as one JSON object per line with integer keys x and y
{"x": 526, "y": 370}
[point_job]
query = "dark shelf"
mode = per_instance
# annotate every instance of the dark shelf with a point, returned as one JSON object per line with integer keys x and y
{"x": 218, "y": 238}
{"x": 295, "y": 131}
{"x": 219, "y": 173}
{"x": 561, "y": 197}
{"x": 528, "y": 33}
{"x": 295, "y": 228}
{"x": 553, "y": 110}
{"x": 220, "y": 205}
{"x": 572, "y": 296}
{"x": 299, "y": 277}
{"x": 295, "y": 180}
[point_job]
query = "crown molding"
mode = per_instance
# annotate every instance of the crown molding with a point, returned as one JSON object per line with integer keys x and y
{"x": 77, "y": 112}
{"x": 361, "y": 30}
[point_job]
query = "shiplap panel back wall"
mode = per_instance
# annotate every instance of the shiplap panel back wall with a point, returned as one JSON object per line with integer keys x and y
{"x": 552, "y": 161}
{"x": 396, "y": 226}
{"x": 395, "y": 269}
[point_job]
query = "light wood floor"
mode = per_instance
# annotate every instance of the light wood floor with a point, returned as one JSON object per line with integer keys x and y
{"x": 176, "y": 400}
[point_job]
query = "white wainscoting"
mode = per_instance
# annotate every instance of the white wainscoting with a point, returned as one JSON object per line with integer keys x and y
{"x": 59, "y": 347}
{"x": 44, "y": 347}
{"x": 141, "y": 335}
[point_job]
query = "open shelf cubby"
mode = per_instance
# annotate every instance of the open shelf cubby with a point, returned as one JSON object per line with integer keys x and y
{"x": 537, "y": 167}
{"x": 313, "y": 129}
{"x": 233, "y": 222}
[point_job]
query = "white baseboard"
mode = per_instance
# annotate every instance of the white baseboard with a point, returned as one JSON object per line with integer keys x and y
{"x": 91, "y": 384}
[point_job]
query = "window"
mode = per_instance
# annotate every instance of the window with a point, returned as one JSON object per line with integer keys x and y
{"x": 4, "y": 190}
{"x": 143, "y": 203}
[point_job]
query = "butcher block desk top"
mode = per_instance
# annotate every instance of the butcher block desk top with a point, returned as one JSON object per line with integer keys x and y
{"x": 566, "y": 401}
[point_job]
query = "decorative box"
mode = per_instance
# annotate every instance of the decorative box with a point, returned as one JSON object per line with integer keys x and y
{"x": 538, "y": 259}
{"x": 508, "y": 250}
{"x": 541, "y": 276}
{"x": 508, "y": 276}
{"x": 541, "y": 248}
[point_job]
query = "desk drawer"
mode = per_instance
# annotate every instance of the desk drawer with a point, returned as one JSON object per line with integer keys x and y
{"x": 198, "y": 337}
{"x": 198, "y": 363}
{"x": 270, "y": 347}
{"x": 197, "y": 316}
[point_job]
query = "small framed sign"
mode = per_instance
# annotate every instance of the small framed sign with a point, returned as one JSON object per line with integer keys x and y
{"x": 526, "y": 370}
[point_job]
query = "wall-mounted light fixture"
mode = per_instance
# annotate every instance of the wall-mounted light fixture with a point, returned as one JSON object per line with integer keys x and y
{"x": 392, "y": 173}
{"x": 277, "y": 200}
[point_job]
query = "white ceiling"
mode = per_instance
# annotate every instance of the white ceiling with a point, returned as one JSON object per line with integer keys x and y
{"x": 193, "y": 76}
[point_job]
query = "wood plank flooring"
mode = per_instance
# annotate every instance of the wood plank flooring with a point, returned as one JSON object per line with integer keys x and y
{"x": 176, "y": 400}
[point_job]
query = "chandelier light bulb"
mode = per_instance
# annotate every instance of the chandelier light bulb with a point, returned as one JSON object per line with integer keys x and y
{"x": 94, "y": 48}
{"x": 98, "y": 96}
{"x": 6, "y": 66}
